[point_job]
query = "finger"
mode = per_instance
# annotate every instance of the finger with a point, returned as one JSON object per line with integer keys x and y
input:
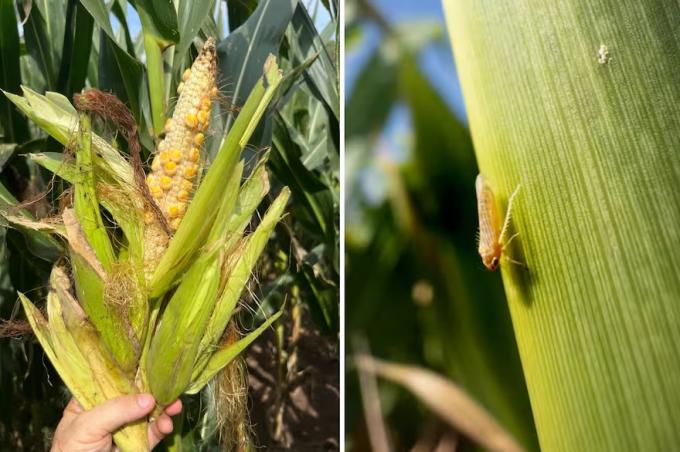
{"x": 73, "y": 407}
{"x": 71, "y": 412}
{"x": 113, "y": 414}
{"x": 174, "y": 408}
{"x": 159, "y": 429}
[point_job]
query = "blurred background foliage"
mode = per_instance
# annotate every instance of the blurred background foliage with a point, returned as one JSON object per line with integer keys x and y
{"x": 138, "y": 50}
{"x": 416, "y": 291}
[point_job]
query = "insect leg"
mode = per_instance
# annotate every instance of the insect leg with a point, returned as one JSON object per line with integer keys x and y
{"x": 513, "y": 261}
{"x": 512, "y": 237}
{"x": 508, "y": 215}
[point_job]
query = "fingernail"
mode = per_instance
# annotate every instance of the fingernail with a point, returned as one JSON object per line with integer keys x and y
{"x": 145, "y": 400}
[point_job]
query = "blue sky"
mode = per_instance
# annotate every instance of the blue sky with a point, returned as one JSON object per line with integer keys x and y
{"x": 436, "y": 59}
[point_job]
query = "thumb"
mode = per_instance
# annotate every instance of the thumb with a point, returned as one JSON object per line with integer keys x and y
{"x": 113, "y": 414}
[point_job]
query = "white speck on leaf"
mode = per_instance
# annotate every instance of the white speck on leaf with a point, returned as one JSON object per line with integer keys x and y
{"x": 603, "y": 54}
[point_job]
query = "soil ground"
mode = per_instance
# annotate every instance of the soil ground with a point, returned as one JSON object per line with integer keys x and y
{"x": 295, "y": 396}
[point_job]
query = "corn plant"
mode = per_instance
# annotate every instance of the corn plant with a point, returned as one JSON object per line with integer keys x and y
{"x": 147, "y": 311}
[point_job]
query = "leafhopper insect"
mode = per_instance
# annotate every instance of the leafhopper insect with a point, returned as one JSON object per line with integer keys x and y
{"x": 492, "y": 243}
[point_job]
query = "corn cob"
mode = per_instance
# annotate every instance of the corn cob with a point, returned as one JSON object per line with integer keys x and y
{"x": 175, "y": 164}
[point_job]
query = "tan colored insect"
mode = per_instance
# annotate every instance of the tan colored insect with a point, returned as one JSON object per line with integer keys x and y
{"x": 492, "y": 243}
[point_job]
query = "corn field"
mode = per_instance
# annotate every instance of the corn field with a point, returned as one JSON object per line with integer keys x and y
{"x": 169, "y": 175}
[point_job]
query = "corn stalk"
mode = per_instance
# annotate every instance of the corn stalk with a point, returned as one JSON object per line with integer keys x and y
{"x": 577, "y": 101}
{"x": 147, "y": 311}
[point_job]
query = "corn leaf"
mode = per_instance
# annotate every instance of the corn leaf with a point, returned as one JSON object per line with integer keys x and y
{"x": 585, "y": 118}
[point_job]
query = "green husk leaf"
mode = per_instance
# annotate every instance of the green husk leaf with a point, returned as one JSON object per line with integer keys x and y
{"x": 85, "y": 199}
{"x": 246, "y": 258}
{"x": 55, "y": 115}
{"x": 174, "y": 345}
{"x": 225, "y": 355}
{"x": 89, "y": 276}
{"x": 98, "y": 377}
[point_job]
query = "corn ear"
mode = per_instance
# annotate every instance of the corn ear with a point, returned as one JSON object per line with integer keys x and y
{"x": 176, "y": 161}
{"x": 195, "y": 228}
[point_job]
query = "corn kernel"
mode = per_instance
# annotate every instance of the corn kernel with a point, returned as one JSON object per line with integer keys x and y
{"x": 183, "y": 195}
{"x": 149, "y": 217}
{"x": 156, "y": 164}
{"x": 164, "y": 156}
{"x": 174, "y": 224}
{"x": 194, "y": 155}
{"x": 199, "y": 138}
{"x": 175, "y": 155}
{"x": 180, "y": 87}
{"x": 186, "y": 185}
{"x": 176, "y": 209}
{"x": 191, "y": 120}
{"x": 203, "y": 116}
{"x": 170, "y": 168}
{"x": 190, "y": 171}
{"x": 214, "y": 91}
{"x": 187, "y": 74}
{"x": 205, "y": 104}
{"x": 173, "y": 210}
{"x": 168, "y": 125}
{"x": 155, "y": 190}
{"x": 166, "y": 182}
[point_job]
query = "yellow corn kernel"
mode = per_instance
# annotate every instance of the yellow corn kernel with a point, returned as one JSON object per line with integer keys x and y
{"x": 183, "y": 195}
{"x": 190, "y": 171}
{"x": 199, "y": 138}
{"x": 155, "y": 190}
{"x": 194, "y": 155}
{"x": 205, "y": 104}
{"x": 168, "y": 125}
{"x": 175, "y": 155}
{"x": 170, "y": 168}
{"x": 156, "y": 164}
{"x": 180, "y": 87}
{"x": 214, "y": 91}
{"x": 164, "y": 156}
{"x": 203, "y": 116}
{"x": 186, "y": 185}
{"x": 174, "y": 224}
{"x": 166, "y": 182}
{"x": 173, "y": 210}
{"x": 191, "y": 120}
{"x": 149, "y": 217}
{"x": 150, "y": 179}
{"x": 187, "y": 74}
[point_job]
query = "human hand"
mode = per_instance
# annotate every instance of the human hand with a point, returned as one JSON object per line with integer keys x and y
{"x": 91, "y": 431}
